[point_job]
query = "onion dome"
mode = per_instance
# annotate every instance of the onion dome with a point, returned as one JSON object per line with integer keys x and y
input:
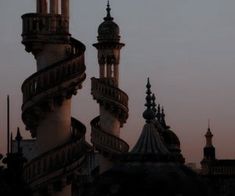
{"x": 150, "y": 141}
{"x": 149, "y": 169}
{"x": 108, "y": 30}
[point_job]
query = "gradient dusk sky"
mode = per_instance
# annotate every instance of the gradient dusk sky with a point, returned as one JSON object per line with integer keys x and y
{"x": 186, "y": 47}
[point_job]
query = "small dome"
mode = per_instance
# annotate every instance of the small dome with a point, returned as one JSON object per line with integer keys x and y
{"x": 108, "y": 30}
{"x": 170, "y": 138}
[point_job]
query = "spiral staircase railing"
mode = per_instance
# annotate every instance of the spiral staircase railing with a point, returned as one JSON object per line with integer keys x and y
{"x": 56, "y": 82}
{"x": 115, "y": 101}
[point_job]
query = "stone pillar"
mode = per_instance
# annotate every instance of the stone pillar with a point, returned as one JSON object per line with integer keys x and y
{"x": 102, "y": 70}
{"x": 54, "y": 7}
{"x": 65, "y": 8}
{"x": 42, "y": 6}
{"x": 109, "y": 71}
{"x": 116, "y": 73}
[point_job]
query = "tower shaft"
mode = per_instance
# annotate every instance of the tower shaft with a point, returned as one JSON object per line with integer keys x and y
{"x": 113, "y": 102}
{"x": 46, "y": 109}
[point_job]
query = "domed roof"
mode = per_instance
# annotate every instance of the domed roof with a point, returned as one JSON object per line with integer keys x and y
{"x": 108, "y": 30}
{"x": 149, "y": 169}
{"x": 170, "y": 138}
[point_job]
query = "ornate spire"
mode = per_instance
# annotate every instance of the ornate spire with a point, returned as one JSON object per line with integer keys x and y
{"x": 163, "y": 121}
{"x": 209, "y": 135}
{"x": 148, "y": 113}
{"x": 158, "y": 114}
{"x": 18, "y": 138}
{"x": 108, "y": 9}
{"x": 154, "y": 104}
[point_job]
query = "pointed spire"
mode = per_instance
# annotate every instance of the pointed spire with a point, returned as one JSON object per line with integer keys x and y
{"x": 158, "y": 114}
{"x": 108, "y": 9}
{"x": 18, "y": 138}
{"x": 18, "y": 135}
{"x": 163, "y": 121}
{"x": 208, "y": 135}
{"x": 148, "y": 113}
{"x": 209, "y": 124}
{"x": 154, "y": 104}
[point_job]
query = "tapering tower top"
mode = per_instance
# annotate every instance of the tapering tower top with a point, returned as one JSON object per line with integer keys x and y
{"x": 108, "y": 30}
{"x": 148, "y": 113}
{"x": 208, "y": 136}
{"x": 108, "y": 9}
{"x": 209, "y": 149}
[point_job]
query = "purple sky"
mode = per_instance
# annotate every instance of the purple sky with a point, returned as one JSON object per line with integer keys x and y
{"x": 186, "y": 47}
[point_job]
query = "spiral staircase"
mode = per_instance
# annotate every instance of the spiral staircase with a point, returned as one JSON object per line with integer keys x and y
{"x": 105, "y": 129}
{"x": 54, "y": 83}
{"x": 116, "y": 102}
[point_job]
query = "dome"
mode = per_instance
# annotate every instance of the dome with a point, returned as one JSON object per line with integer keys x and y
{"x": 138, "y": 179}
{"x": 108, "y": 30}
{"x": 170, "y": 138}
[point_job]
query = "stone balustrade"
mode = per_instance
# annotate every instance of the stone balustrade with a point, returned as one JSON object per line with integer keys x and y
{"x": 34, "y": 23}
{"x": 59, "y": 157}
{"x": 105, "y": 141}
{"x": 43, "y": 80}
{"x": 102, "y": 90}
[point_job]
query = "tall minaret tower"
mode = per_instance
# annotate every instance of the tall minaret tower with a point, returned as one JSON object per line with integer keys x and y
{"x": 113, "y": 101}
{"x": 46, "y": 109}
{"x": 209, "y": 149}
{"x": 208, "y": 152}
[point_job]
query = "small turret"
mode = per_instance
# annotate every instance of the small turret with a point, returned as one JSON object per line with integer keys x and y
{"x": 18, "y": 138}
{"x": 209, "y": 149}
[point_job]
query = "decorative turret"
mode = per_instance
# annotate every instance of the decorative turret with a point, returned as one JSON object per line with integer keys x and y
{"x": 209, "y": 149}
{"x": 150, "y": 144}
{"x": 208, "y": 153}
{"x": 170, "y": 139}
{"x": 109, "y": 47}
{"x": 18, "y": 138}
{"x": 46, "y": 109}
{"x": 113, "y": 101}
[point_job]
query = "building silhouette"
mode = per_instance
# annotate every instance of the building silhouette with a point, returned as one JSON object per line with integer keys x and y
{"x": 219, "y": 173}
{"x": 58, "y": 161}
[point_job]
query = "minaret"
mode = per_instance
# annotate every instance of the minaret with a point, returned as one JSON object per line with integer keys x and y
{"x": 209, "y": 149}
{"x": 113, "y": 101}
{"x": 46, "y": 109}
{"x": 208, "y": 153}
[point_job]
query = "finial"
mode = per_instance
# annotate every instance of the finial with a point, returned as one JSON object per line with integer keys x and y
{"x": 18, "y": 135}
{"x": 108, "y": 9}
{"x": 158, "y": 115}
{"x": 163, "y": 121}
{"x": 209, "y": 126}
{"x": 154, "y": 104}
{"x": 18, "y": 138}
{"x": 148, "y": 113}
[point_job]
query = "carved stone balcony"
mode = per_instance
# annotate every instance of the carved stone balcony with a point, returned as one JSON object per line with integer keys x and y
{"x": 105, "y": 142}
{"x": 60, "y": 80}
{"x": 58, "y": 162}
{"x": 110, "y": 96}
{"x": 44, "y": 28}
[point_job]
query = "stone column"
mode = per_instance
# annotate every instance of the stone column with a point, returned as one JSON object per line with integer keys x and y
{"x": 65, "y": 8}
{"x": 102, "y": 70}
{"x": 42, "y": 6}
{"x": 54, "y": 7}
{"x": 109, "y": 71}
{"x": 116, "y": 73}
